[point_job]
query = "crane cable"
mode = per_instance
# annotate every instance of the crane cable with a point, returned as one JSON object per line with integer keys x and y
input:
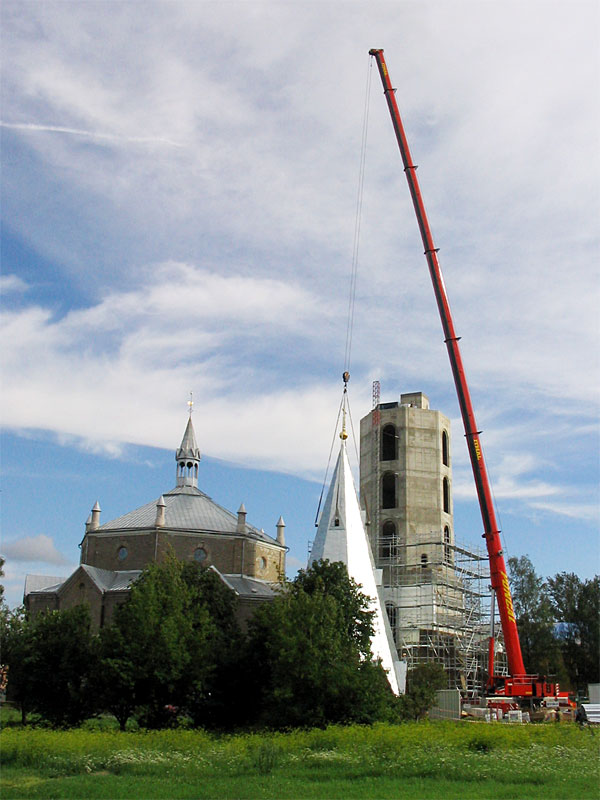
{"x": 352, "y": 291}
{"x": 357, "y": 221}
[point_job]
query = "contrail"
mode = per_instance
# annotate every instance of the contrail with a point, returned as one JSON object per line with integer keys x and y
{"x": 32, "y": 126}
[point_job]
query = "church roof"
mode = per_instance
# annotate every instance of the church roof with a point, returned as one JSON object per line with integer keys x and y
{"x": 42, "y": 583}
{"x": 245, "y": 586}
{"x": 108, "y": 581}
{"x": 186, "y": 509}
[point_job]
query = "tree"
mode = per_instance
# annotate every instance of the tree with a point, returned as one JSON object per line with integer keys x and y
{"x": 50, "y": 662}
{"x": 152, "y": 646}
{"x": 220, "y": 701}
{"x": 422, "y": 685}
{"x": 535, "y": 620}
{"x": 309, "y": 654}
{"x": 332, "y": 579}
{"x": 2, "y": 562}
{"x": 576, "y": 604}
{"x": 17, "y": 655}
{"x": 172, "y": 648}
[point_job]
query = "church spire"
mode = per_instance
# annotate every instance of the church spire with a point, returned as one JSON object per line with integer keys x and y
{"x": 341, "y": 537}
{"x": 188, "y": 455}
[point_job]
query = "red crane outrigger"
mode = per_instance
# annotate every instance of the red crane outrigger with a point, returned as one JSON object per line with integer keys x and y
{"x": 518, "y": 684}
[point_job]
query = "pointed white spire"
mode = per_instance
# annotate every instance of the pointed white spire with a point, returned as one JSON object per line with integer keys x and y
{"x": 341, "y": 537}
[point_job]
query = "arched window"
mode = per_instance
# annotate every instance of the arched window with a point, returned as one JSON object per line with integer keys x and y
{"x": 388, "y": 490}
{"x": 392, "y": 613}
{"x": 447, "y": 550}
{"x": 387, "y": 542}
{"x": 388, "y": 443}
{"x": 424, "y": 560}
{"x": 446, "y": 495}
{"x": 445, "y": 453}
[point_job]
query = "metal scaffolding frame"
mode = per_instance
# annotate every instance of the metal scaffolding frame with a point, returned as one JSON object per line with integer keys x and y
{"x": 439, "y": 609}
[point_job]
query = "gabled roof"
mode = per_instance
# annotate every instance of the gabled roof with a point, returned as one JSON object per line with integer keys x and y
{"x": 186, "y": 509}
{"x": 108, "y": 580}
{"x": 42, "y": 583}
{"x": 244, "y": 586}
{"x": 341, "y": 537}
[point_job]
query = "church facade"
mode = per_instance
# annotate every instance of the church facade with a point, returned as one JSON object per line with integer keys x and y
{"x": 185, "y": 521}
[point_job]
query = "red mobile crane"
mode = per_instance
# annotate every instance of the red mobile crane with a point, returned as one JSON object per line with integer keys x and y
{"x": 517, "y": 684}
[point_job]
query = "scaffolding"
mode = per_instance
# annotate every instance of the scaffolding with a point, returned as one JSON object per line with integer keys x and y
{"x": 439, "y": 604}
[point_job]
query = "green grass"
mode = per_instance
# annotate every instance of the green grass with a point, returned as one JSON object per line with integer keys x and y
{"x": 425, "y": 760}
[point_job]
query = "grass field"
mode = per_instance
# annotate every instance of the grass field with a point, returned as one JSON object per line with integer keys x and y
{"x": 418, "y": 760}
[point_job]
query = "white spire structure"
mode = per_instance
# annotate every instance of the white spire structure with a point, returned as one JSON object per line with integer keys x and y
{"x": 341, "y": 537}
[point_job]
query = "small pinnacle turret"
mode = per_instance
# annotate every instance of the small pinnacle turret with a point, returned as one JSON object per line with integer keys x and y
{"x": 280, "y": 531}
{"x": 94, "y": 522}
{"x": 160, "y": 512}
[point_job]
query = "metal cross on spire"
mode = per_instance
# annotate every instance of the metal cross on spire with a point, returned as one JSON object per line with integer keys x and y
{"x": 191, "y": 403}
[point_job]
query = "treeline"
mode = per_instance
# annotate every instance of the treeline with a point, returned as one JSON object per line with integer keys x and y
{"x": 174, "y": 654}
{"x": 558, "y": 622}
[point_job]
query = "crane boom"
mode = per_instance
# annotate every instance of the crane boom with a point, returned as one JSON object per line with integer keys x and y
{"x": 499, "y": 578}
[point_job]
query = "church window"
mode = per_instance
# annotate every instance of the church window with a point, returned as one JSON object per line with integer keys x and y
{"x": 263, "y": 563}
{"x": 122, "y": 553}
{"x": 445, "y": 454}
{"x": 387, "y": 542}
{"x": 200, "y": 554}
{"x": 424, "y": 560}
{"x": 388, "y": 490}
{"x": 447, "y": 551}
{"x": 388, "y": 443}
{"x": 392, "y": 613}
{"x": 446, "y": 495}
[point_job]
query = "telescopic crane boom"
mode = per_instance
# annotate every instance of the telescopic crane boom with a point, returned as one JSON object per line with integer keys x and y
{"x": 519, "y": 684}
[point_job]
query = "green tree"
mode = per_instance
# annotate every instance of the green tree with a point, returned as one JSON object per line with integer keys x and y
{"x": 535, "y": 620}
{"x": 218, "y": 702}
{"x": 422, "y": 684}
{"x": 332, "y": 579}
{"x": 151, "y": 649}
{"x": 171, "y": 648}
{"x": 51, "y": 661}
{"x": 16, "y": 646}
{"x": 2, "y": 562}
{"x": 310, "y": 655}
{"x": 576, "y": 604}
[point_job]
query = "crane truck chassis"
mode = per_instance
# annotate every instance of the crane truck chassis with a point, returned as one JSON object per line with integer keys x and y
{"x": 517, "y": 688}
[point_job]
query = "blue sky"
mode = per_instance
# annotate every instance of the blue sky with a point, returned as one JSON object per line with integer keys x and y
{"x": 178, "y": 206}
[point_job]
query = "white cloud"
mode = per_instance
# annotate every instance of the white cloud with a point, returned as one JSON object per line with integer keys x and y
{"x": 222, "y": 265}
{"x": 37, "y": 127}
{"x": 12, "y": 283}
{"x": 39, "y": 549}
{"x": 583, "y": 511}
